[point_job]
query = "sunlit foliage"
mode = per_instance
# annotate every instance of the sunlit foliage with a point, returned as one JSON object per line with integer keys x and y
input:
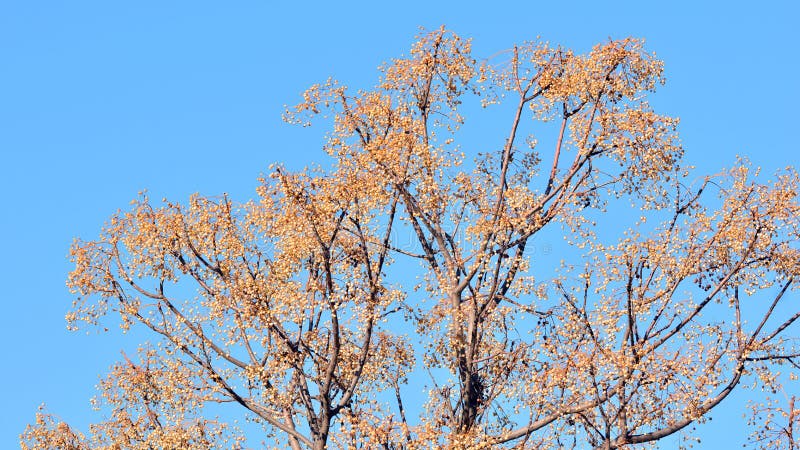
{"x": 304, "y": 308}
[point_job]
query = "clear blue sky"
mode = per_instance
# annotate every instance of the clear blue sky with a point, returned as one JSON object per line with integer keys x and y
{"x": 99, "y": 100}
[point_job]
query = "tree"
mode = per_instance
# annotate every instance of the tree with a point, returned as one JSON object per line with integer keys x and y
{"x": 303, "y": 308}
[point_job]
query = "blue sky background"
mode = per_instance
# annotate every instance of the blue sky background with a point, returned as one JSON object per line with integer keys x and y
{"x": 99, "y": 100}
